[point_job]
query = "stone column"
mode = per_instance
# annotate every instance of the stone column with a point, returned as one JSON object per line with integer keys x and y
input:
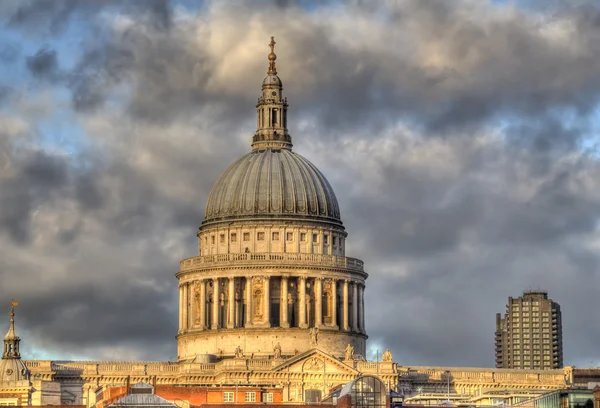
{"x": 216, "y": 302}
{"x": 302, "y": 302}
{"x": 345, "y": 299}
{"x": 354, "y": 307}
{"x": 267, "y": 302}
{"x": 333, "y": 302}
{"x": 361, "y": 309}
{"x": 318, "y": 302}
{"x": 231, "y": 303}
{"x": 186, "y": 306}
{"x": 202, "y": 311}
{"x": 180, "y": 308}
{"x": 283, "y": 314}
{"x": 248, "y": 322}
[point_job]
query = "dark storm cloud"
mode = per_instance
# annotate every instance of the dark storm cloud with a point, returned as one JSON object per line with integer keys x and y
{"x": 38, "y": 178}
{"x": 43, "y": 63}
{"x": 53, "y": 17}
{"x": 451, "y": 132}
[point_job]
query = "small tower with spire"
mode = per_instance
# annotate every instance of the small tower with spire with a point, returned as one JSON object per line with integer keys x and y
{"x": 11, "y": 340}
{"x": 271, "y": 132}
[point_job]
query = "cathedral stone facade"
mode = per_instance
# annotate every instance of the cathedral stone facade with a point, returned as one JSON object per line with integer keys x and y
{"x": 271, "y": 275}
{"x": 270, "y": 306}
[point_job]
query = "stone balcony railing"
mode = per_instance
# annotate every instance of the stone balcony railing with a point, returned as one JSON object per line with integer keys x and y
{"x": 272, "y": 258}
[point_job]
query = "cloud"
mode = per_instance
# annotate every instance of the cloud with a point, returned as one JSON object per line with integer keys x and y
{"x": 44, "y": 62}
{"x": 458, "y": 136}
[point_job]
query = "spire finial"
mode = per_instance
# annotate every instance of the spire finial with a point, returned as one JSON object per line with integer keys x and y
{"x": 272, "y": 57}
{"x": 12, "y": 307}
{"x": 11, "y": 329}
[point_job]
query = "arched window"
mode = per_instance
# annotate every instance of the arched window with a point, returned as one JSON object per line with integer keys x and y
{"x": 274, "y": 117}
{"x": 366, "y": 391}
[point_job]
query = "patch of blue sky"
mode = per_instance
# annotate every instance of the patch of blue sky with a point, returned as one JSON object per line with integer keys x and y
{"x": 192, "y": 5}
{"x": 590, "y": 142}
{"x": 36, "y": 352}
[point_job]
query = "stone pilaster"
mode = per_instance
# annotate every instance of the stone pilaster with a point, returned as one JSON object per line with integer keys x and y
{"x": 302, "y": 302}
{"x": 186, "y": 306}
{"x": 202, "y": 311}
{"x": 231, "y": 303}
{"x": 345, "y": 305}
{"x": 267, "y": 301}
{"x": 334, "y": 302}
{"x": 216, "y": 302}
{"x": 361, "y": 308}
{"x": 180, "y": 308}
{"x": 248, "y": 322}
{"x": 354, "y": 306}
{"x": 283, "y": 314}
{"x": 318, "y": 302}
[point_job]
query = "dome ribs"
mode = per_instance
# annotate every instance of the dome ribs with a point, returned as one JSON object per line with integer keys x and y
{"x": 331, "y": 204}
{"x": 288, "y": 198}
{"x": 233, "y": 184}
{"x": 272, "y": 183}
{"x": 275, "y": 182}
{"x": 300, "y": 195}
{"x": 215, "y": 198}
{"x": 321, "y": 195}
{"x": 263, "y": 183}
{"x": 312, "y": 207}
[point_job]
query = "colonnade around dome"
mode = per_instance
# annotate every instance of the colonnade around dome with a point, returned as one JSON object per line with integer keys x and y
{"x": 328, "y": 302}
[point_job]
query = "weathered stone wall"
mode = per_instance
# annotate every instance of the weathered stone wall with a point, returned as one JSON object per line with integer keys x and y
{"x": 261, "y": 342}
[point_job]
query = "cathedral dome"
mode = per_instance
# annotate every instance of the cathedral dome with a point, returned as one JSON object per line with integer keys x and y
{"x": 272, "y": 183}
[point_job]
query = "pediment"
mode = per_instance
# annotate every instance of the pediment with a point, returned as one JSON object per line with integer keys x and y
{"x": 315, "y": 360}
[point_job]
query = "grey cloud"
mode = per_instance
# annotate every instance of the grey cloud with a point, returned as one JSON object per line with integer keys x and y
{"x": 43, "y": 63}
{"x": 480, "y": 192}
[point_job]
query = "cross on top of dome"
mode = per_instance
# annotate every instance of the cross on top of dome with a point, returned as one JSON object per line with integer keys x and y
{"x": 272, "y": 57}
{"x": 271, "y": 132}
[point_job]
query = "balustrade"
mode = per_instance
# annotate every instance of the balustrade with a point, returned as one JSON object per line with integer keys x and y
{"x": 273, "y": 257}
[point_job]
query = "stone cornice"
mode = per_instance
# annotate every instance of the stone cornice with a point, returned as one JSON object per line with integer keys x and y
{"x": 306, "y": 273}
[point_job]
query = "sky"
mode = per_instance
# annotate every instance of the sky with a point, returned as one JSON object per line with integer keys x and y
{"x": 460, "y": 138}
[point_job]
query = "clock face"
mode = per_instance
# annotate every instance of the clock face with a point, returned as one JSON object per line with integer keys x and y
{"x": 273, "y": 93}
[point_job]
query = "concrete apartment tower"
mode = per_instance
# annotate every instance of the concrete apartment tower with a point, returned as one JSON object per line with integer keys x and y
{"x": 530, "y": 334}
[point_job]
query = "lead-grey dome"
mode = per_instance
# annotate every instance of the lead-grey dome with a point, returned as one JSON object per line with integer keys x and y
{"x": 272, "y": 183}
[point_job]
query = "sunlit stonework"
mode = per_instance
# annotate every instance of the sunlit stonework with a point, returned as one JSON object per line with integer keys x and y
{"x": 271, "y": 267}
{"x": 271, "y": 309}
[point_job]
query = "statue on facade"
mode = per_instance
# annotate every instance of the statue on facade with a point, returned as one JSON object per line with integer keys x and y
{"x": 349, "y": 352}
{"x": 386, "y": 356}
{"x": 197, "y": 316}
{"x": 314, "y": 334}
{"x": 277, "y": 351}
{"x": 239, "y": 353}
